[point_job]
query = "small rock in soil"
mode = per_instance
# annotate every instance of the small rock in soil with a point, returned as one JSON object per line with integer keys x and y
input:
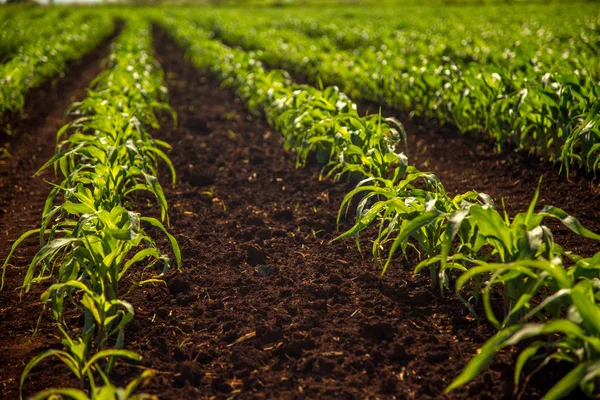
{"x": 409, "y": 340}
{"x": 186, "y": 300}
{"x": 220, "y": 385}
{"x": 323, "y": 226}
{"x": 295, "y": 349}
{"x": 264, "y": 234}
{"x": 263, "y": 271}
{"x": 279, "y": 233}
{"x": 204, "y": 357}
{"x": 268, "y": 334}
{"x": 179, "y": 355}
{"x": 399, "y": 354}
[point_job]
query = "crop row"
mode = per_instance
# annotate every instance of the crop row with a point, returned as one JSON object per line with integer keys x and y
{"x": 47, "y": 54}
{"x": 91, "y": 239}
{"x": 462, "y": 236}
{"x": 26, "y": 27}
{"x": 470, "y": 75}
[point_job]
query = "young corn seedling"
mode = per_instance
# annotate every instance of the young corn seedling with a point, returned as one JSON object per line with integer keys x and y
{"x": 504, "y": 241}
{"x": 85, "y": 366}
{"x": 569, "y": 320}
{"x": 108, "y": 391}
{"x": 481, "y": 87}
{"x": 416, "y": 216}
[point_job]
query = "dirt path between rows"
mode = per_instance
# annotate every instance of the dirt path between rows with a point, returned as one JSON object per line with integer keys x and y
{"x": 21, "y": 203}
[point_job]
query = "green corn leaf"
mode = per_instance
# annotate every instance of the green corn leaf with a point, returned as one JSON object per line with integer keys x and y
{"x": 525, "y": 355}
{"x": 592, "y": 373}
{"x": 409, "y": 229}
{"x": 65, "y": 357}
{"x": 583, "y": 298}
{"x": 166, "y": 160}
{"x": 563, "y": 326}
{"x": 483, "y": 358}
{"x": 569, "y": 221}
{"x": 77, "y": 208}
{"x": 152, "y": 182}
{"x": 172, "y": 240}
{"x": 110, "y": 353}
{"x": 140, "y": 255}
{"x": 492, "y": 226}
{"x": 568, "y": 383}
{"x": 12, "y": 250}
{"x": 74, "y": 394}
{"x": 49, "y": 250}
{"x": 134, "y": 384}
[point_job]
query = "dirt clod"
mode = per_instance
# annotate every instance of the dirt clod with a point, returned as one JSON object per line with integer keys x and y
{"x": 178, "y": 285}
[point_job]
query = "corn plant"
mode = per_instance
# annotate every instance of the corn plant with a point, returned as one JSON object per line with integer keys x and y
{"x": 46, "y": 57}
{"x": 412, "y": 213}
{"x": 324, "y": 121}
{"x": 497, "y": 239}
{"x": 28, "y": 27}
{"x": 108, "y": 391}
{"x": 568, "y": 320}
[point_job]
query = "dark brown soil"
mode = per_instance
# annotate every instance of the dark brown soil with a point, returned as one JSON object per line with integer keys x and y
{"x": 265, "y": 306}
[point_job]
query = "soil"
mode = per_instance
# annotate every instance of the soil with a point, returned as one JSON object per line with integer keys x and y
{"x": 266, "y": 306}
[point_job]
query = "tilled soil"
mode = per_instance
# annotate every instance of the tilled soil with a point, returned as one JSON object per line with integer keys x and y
{"x": 266, "y": 306}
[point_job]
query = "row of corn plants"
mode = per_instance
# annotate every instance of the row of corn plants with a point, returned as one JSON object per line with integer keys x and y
{"x": 25, "y": 27}
{"x": 91, "y": 240}
{"x": 47, "y": 54}
{"x": 462, "y": 237}
{"x": 477, "y": 78}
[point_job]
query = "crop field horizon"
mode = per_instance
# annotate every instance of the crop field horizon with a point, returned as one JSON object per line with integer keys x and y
{"x": 300, "y": 199}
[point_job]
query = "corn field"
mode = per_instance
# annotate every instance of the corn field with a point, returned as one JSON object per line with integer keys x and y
{"x": 300, "y": 201}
